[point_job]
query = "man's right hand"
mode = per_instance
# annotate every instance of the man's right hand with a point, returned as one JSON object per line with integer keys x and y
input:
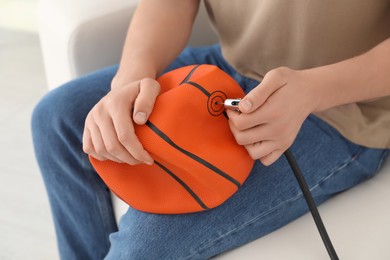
{"x": 109, "y": 131}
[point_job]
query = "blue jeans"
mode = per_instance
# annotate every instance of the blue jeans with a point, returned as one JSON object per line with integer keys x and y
{"x": 270, "y": 198}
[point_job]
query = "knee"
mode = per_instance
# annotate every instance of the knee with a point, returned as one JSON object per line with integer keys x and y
{"x": 59, "y": 113}
{"x": 48, "y": 114}
{"x": 43, "y": 113}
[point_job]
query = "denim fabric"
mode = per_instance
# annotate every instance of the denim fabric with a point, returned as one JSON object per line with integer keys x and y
{"x": 270, "y": 198}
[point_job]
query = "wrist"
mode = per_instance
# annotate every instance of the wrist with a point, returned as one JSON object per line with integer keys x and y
{"x": 125, "y": 76}
{"x": 306, "y": 90}
{"x": 315, "y": 84}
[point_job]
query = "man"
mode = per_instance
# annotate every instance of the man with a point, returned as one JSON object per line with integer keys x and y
{"x": 324, "y": 90}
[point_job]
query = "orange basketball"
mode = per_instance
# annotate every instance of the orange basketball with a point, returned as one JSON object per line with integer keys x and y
{"x": 198, "y": 164}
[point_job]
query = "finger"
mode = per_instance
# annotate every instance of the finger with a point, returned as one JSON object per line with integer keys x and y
{"x": 241, "y": 121}
{"x": 112, "y": 144}
{"x": 272, "y": 81}
{"x": 143, "y": 106}
{"x": 87, "y": 142}
{"x": 271, "y": 158}
{"x": 88, "y": 147}
{"x": 126, "y": 136}
{"x": 232, "y": 113}
{"x": 261, "y": 149}
{"x": 98, "y": 144}
{"x": 252, "y": 135}
{"x": 268, "y": 113}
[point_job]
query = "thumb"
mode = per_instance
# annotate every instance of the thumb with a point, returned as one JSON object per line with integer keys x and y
{"x": 258, "y": 96}
{"x": 144, "y": 103}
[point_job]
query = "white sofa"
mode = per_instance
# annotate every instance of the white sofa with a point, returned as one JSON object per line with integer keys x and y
{"x": 81, "y": 36}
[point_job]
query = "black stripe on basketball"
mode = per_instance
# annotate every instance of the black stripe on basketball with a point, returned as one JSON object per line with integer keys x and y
{"x": 190, "y": 74}
{"x": 196, "y": 85}
{"x": 185, "y": 80}
{"x": 191, "y": 155}
{"x": 182, "y": 183}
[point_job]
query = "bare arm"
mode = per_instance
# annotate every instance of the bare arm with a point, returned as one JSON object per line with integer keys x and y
{"x": 361, "y": 78}
{"x": 157, "y": 34}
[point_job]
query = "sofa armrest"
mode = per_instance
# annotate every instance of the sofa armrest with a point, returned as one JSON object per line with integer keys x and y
{"x": 78, "y": 37}
{"x": 81, "y": 36}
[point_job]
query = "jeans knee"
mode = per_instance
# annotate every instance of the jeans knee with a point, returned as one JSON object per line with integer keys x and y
{"x": 60, "y": 114}
{"x": 42, "y": 116}
{"x": 70, "y": 103}
{"x": 47, "y": 115}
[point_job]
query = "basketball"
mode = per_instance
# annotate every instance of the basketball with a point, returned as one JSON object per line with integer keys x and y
{"x": 197, "y": 163}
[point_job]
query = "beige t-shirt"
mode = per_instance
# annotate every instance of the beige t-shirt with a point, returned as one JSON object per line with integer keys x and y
{"x": 259, "y": 35}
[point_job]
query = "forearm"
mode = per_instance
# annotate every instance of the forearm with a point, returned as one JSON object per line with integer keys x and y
{"x": 158, "y": 32}
{"x": 357, "y": 79}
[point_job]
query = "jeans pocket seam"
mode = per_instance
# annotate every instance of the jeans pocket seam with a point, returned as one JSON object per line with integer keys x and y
{"x": 337, "y": 169}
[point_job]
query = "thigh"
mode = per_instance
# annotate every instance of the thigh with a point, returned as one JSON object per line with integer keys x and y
{"x": 78, "y": 96}
{"x": 269, "y": 199}
{"x": 74, "y": 100}
{"x": 80, "y": 202}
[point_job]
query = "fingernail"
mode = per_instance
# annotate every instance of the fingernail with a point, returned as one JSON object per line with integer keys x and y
{"x": 140, "y": 117}
{"x": 149, "y": 162}
{"x": 246, "y": 104}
